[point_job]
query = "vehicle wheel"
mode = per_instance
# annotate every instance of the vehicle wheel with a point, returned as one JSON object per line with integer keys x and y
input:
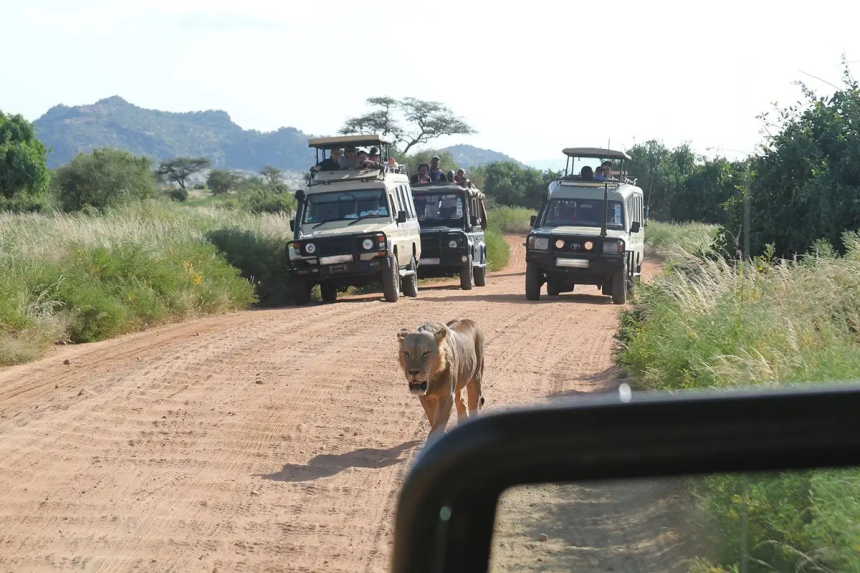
{"x": 328, "y": 291}
{"x": 467, "y": 280}
{"x": 391, "y": 280}
{"x": 619, "y": 286}
{"x": 301, "y": 292}
{"x": 606, "y": 289}
{"x": 553, "y": 288}
{"x": 532, "y": 282}
{"x": 410, "y": 284}
{"x": 481, "y": 276}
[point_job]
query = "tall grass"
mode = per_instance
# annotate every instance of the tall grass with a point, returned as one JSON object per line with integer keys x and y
{"x": 674, "y": 239}
{"x": 82, "y": 278}
{"x": 710, "y": 322}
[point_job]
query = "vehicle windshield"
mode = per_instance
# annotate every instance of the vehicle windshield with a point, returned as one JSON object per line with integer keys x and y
{"x": 345, "y": 205}
{"x": 439, "y": 207}
{"x": 583, "y": 213}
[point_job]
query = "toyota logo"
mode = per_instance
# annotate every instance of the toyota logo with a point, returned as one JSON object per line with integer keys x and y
{"x": 574, "y": 246}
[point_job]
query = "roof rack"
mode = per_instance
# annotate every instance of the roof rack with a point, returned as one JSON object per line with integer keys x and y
{"x": 345, "y": 140}
{"x": 595, "y": 153}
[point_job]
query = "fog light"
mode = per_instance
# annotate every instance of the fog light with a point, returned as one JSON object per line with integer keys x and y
{"x": 464, "y": 258}
{"x": 589, "y": 245}
{"x": 559, "y": 244}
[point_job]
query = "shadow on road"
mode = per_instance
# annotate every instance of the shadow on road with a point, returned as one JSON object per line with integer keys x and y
{"x": 521, "y": 298}
{"x": 326, "y": 465}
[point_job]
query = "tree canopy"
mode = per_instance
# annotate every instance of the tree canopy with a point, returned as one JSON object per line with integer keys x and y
{"x": 409, "y": 121}
{"x": 180, "y": 168}
{"x": 23, "y": 169}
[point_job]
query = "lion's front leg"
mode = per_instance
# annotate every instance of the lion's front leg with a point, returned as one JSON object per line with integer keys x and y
{"x": 429, "y": 405}
{"x": 443, "y": 412}
{"x": 461, "y": 406}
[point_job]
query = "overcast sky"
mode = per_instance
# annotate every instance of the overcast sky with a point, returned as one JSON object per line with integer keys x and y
{"x": 532, "y": 78}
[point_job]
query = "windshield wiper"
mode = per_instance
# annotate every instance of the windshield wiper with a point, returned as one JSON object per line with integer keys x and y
{"x": 323, "y": 222}
{"x": 363, "y": 217}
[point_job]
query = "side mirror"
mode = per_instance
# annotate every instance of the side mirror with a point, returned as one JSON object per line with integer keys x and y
{"x": 473, "y": 220}
{"x": 292, "y": 225}
{"x": 634, "y": 228}
{"x": 401, "y": 216}
{"x": 533, "y": 220}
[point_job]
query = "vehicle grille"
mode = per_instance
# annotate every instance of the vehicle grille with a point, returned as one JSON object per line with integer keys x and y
{"x": 570, "y": 244}
{"x": 431, "y": 245}
{"x": 334, "y": 246}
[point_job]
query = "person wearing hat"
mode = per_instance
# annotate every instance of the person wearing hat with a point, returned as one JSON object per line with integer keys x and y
{"x": 372, "y": 161}
{"x": 435, "y": 172}
{"x": 350, "y": 161}
{"x": 604, "y": 172}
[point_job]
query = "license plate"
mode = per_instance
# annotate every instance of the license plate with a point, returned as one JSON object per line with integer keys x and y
{"x": 428, "y": 261}
{"x": 335, "y": 259}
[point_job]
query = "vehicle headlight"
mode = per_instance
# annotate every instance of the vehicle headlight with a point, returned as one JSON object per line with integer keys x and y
{"x": 452, "y": 243}
{"x": 367, "y": 244}
{"x": 310, "y": 248}
{"x": 613, "y": 247}
{"x": 588, "y": 245}
{"x": 559, "y": 244}
{"x": 294, "y": 254}
{"x": 539, "y": 243}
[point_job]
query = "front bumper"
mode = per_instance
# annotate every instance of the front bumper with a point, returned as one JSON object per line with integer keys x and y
{"x": 576, "y": 269}
{"x": 301, "y": 269}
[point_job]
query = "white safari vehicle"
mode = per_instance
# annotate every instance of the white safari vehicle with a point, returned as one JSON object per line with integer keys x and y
{"x": 588, "y": 231}
{"x": 354, "y": 225}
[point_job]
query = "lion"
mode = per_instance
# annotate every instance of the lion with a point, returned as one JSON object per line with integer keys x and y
{"x": 439, "y": 360}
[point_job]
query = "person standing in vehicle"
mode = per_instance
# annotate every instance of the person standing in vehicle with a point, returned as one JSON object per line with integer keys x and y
{"x": 435, "y": 172}
{"x": 351, "y": 160}
{"x": 330, "y": 163}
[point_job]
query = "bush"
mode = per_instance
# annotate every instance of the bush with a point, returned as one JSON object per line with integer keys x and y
{"x": 84, "y": 277}
{"x": 714, "y": 322}
{"x": 102, "y": 179}
{"x": 179, "y": 194}
{"x": 260, "y": 259}
{"x": 266, "y": 200}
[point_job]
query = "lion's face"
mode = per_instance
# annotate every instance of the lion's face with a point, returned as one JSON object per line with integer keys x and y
{"x": 421, "y": 356}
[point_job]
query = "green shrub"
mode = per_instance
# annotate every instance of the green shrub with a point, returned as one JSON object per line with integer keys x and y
{"x": 710, "y": 322}
{"x": 102, "y": 179}
{"x": 260, "y": 259}
{"x": 265, "y": 200}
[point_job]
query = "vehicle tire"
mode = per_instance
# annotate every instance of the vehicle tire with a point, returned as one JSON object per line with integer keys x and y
{"x": 410, "y": 284}
{"x": 532, "y": 282}
{"x": 553, "y": 288}
{"x": 328, "y": 292}
{"x": 467, "y": 279}
{"x": 606, "y": 289}
{"x": 619, "y": 286}
{"x": 301, "y": 292}
{"x": 391, "y": 280}
{"x": 481, "y": 276}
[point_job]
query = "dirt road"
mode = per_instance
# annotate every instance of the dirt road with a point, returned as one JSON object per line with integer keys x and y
{"x": 258, "y": 441}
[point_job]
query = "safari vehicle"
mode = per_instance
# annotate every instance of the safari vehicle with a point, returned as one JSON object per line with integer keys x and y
{"x": 354, "y": 227}
{"x": 587, "y": 231}
{"x": 453, "y": 219}
{"x": 448, "y": 518}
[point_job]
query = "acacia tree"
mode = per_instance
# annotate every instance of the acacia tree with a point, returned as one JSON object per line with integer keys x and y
{"x": 179, "y": 169}
{"x": 409, "y": 121}
{"x": 272, "y": 175}
{"x": 221, "y": 181}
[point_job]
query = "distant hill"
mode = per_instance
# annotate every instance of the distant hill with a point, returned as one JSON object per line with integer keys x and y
{"x": 114, "y": 122}
{"x": 469, "y": 156}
